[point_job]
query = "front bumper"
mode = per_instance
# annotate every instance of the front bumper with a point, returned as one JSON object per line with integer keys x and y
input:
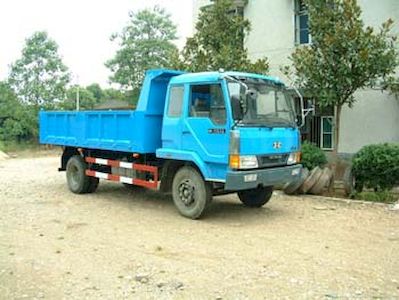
{"x": 242, "y": 180}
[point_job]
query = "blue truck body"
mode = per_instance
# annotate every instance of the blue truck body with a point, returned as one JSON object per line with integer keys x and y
{"x": 155, "y": 129}
{"x": 125, "y": 130}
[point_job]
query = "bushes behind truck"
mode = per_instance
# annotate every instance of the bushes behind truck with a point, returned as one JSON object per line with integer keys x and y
{"x": 376, "y": 167}
{"x": 312, "y": 156}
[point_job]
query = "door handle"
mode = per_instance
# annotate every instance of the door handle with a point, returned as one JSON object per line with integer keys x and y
{"x": 186, "y": 132}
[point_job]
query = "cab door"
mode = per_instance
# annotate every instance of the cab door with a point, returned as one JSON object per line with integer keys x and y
{"x": 172, "y": 122}
{"x": 205, "y": 129}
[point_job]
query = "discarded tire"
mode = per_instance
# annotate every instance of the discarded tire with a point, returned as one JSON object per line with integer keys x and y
{"x": 321, "y": 182}
{"x": 330, "y": 183}
{"x": 349, "y": 181}
{"x": 311, "y": 180}
{"x": 292, "y": 187}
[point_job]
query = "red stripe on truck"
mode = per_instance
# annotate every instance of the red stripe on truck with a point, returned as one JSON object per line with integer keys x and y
{"x": 126, "y": 165}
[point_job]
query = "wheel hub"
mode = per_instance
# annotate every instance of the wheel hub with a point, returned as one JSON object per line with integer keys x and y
{"x": 186, "y": 192}
{"x": 75, "y": 174}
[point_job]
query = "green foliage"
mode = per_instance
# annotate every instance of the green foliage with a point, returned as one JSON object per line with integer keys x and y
{"x": 381, "y": 196}
{"x": 392, "y": 84}
{"x": 344, "y": 55}
{"x": 17, "y": 122}
{"x": 39, "y": 77}
{"x": 377, "y": 166}
{"x": 93, "y": 95}
{"x": 145, "y": 43}
{"x": 87, "y": 100}
{"x": 312, "y": 156}
{"x": 129, "y": 96}
{"x": 218, "y": 42}
{"x": 96, "y": 91}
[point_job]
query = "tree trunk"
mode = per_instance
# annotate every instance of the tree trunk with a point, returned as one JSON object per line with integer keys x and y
{"x": 337, "y": 128}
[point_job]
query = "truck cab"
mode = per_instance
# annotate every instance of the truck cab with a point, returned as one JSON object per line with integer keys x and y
{"x": 238, "y": 129}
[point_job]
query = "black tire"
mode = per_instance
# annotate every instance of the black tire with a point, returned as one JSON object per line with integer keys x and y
{"x": 351, "y": 186}
{"x": 292, "y": 187}
{"x": 78, "y": 182}
{"x": 256, "y": 197}
{"x": 93, "y": 184}
{"x": 191, "y": 193}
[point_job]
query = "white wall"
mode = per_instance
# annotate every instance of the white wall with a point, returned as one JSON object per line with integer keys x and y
{"x": 375, "y": 116}
{"x": 272, "y": 32}
{"x": 373, "y": 119}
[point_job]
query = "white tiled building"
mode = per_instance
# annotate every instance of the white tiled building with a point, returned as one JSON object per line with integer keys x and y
{"x": 278, "y": 26}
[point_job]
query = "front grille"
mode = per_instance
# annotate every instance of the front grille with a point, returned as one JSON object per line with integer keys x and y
{"x": 272, "y": 160}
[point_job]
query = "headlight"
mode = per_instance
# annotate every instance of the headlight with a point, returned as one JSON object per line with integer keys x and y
{"x": 243, "y": 161}
{"x": 294, "y": 158}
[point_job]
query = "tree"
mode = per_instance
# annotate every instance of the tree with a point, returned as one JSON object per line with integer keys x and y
{"x": 344, "y": 55}
{"x": 87, "y": 99}
{"x": 93, "y": 95}
{"x": 39, "y": 77}
{"x": 17, "y": 122}
{"x": 392, "y": 85}
{"x": 97, "y": 92}
{"x": 145, "y": 43}
{"x": 219, "y": 41}
{"x": 130, "y": 96}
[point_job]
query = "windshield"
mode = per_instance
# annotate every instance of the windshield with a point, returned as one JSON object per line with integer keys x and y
{"x": 262, "y": 104}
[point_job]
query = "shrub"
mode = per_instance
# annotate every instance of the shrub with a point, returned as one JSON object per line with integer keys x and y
{"x": 383, "y": 196}
{"x": 312, "y": 156}
{"x": 376, "y": 167}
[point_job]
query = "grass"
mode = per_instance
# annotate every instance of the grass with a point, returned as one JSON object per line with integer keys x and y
{"x": 381, "y": 196}
{"x": 27, "y": 149}
{"x": 12, "y": 146}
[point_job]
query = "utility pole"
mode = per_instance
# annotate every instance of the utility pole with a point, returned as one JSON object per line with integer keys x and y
{"x": 77, "y": 93}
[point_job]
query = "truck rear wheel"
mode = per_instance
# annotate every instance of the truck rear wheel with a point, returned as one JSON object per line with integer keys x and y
{"x": 78, "y": 182}
{"x": 256, "y": 197}
{"x": 93, "y": 184}
{"x": 191, "y": 194}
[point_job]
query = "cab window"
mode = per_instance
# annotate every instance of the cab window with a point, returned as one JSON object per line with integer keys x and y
{"x": 207, "y": 101}
{"x": 175, "y": 101}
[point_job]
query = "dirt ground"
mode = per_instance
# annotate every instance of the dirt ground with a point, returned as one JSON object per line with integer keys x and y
{"x": 119, "y": 244}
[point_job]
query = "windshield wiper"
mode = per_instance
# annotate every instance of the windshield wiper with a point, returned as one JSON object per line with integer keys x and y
{"x": 287, "y": 123}
{"x": 254, "y": 123}
{"x": 269, "y": 123}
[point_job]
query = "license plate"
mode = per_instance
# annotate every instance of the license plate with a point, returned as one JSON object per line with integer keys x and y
{"x": 250, "y": 177}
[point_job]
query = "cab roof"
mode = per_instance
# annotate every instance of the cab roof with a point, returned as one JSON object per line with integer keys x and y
{"x": 215, "y": 76}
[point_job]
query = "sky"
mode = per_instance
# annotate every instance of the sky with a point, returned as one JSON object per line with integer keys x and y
{"x": 81, "y": 28}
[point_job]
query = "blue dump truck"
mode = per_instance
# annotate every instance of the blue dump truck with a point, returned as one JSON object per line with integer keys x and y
{"x": 195, "y": 135}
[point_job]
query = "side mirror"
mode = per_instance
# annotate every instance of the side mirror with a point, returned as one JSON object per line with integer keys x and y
{"x": 250, "y": 95}
{"x": 236, "y": 105}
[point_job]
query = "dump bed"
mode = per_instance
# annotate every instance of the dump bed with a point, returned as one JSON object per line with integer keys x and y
{"x": 118, "y": 130}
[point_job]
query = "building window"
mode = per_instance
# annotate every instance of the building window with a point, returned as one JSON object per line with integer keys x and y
{"x": 327, "y": 133}
{"x": 302, "y": 35}
{"x": 207, "y": 101}
{"x": 176, "y": 97}
{"x": 318, "y": 128}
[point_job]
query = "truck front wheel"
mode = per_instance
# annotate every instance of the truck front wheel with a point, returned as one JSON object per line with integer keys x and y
{"x": 256, "y": 197}
{"x": 191, "y": 194}
{"x": 78, "y": 182}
